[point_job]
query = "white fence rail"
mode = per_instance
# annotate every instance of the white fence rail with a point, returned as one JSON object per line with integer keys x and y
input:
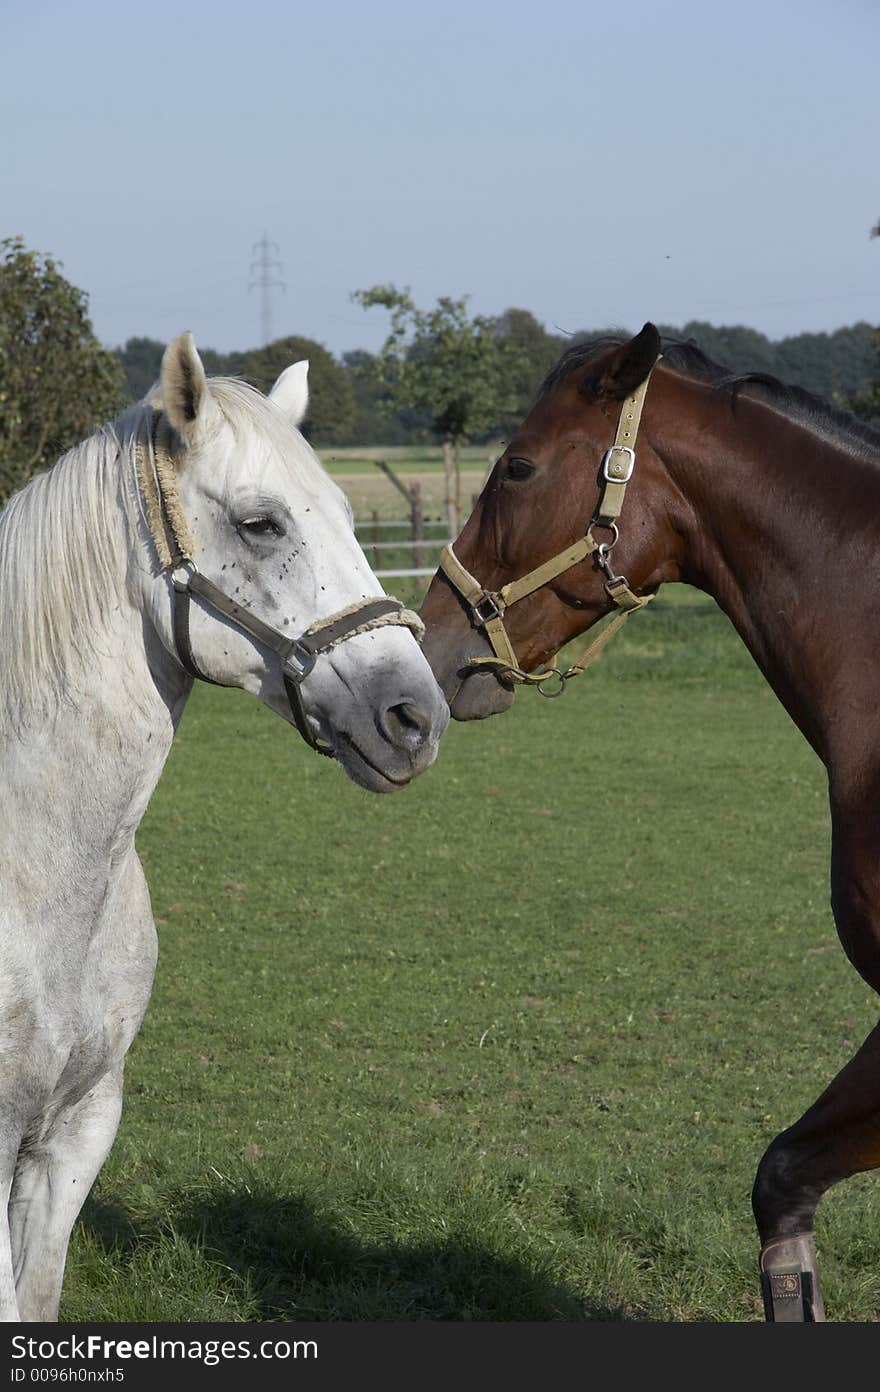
{"x": 404, "y": 554}
{"x": 420, "y": 570}
{"x": 395, "y": 522}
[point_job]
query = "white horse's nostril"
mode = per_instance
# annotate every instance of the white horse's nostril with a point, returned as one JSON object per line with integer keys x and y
{"x": 406, "y": 723}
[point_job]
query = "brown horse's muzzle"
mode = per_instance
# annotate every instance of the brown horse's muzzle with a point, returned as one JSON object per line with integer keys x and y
{"x": 479, "y": 695}
{"x": 450, "y": 644}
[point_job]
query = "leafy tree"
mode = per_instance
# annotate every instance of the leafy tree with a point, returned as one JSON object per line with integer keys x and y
{"x": 839, "y": 366}
{"x": 374, "y": 423}
{"x": 443, "y": 362}
{"x": 331, "y": 413}
{"x": 865, "y": 401}
{"x": 734, "y": 345}
{"x": 56, "y": 381}
{"x": 140, "y": 359}
{"x": 222, "y": 364}
{"x": 528, "y": 351}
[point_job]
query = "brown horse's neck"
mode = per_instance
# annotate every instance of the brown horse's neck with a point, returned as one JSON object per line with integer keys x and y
{"x": 782, "y": 528}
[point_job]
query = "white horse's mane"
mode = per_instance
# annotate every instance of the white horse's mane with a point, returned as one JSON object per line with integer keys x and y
{"x": 66, "y": 540}
{"x": 63, "y": 553}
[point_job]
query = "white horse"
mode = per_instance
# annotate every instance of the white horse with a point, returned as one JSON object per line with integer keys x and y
{"x": 104, "y": 615}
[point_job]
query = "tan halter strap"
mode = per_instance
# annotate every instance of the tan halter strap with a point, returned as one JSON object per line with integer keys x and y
{"x": 620, "y": 460}
{"x": 488, "y": 606}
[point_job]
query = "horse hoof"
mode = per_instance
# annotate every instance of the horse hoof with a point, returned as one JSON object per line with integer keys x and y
{"x": 790, "y": 1281}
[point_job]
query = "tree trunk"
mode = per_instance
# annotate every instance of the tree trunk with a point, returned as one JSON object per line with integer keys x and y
{"x": 457, "y": 451}
{"x": 449, "y": 477}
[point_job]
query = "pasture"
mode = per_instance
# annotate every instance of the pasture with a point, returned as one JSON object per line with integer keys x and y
{"x": 369, "y": 490}
{"x": 506, "y": 1046}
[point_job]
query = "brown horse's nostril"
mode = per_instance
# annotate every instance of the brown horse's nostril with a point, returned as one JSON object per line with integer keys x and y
{"x": 406, "y": 723}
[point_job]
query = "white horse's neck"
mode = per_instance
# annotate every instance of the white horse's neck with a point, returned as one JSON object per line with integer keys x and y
{"x": 90, "y": 698}
{"x": 91, "y": 769}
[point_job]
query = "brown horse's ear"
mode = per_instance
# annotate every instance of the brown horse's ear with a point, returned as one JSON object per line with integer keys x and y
{"x": 627, "y": 367}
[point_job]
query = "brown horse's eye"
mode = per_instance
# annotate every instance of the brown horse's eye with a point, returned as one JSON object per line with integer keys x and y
{"x": 519, "y": 470}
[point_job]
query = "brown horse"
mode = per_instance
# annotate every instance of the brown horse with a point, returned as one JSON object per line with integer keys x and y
{"x": 768, "y": 500}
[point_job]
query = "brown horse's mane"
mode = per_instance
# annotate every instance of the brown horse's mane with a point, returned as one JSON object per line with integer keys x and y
{"x": 837, "y": 426}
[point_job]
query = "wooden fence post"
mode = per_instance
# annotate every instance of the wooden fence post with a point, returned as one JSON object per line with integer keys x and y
{"x": 377, "y": 537}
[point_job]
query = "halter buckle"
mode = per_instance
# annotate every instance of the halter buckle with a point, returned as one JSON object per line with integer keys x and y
{"x": 490, "y": 602}
{"x": 299, "y": 661}
{"x": 613, "y": 472}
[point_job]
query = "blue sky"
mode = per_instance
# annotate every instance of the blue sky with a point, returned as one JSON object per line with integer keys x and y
{"x": 598, "y": 164}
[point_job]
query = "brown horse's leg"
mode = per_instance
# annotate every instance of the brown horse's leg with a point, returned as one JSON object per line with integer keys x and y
{"x": 839, "y": 1135}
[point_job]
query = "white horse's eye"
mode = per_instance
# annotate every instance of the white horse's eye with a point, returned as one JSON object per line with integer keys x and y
{"x": 259, "y": 526}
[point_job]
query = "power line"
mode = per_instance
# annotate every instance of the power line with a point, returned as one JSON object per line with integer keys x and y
{"x": 265, "y": 266}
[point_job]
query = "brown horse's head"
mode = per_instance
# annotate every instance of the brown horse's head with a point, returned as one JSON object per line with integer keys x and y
{"x": 540, "y": 498}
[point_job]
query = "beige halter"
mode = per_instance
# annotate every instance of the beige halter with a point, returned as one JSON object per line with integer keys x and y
{"x": 487, "y": 607}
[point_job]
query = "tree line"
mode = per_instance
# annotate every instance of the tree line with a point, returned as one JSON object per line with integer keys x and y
{"x": 354, "y": 402}
{"x": 442, "y": 374}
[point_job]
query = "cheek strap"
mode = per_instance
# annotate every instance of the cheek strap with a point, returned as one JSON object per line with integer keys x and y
{"x": 487, "y": 607}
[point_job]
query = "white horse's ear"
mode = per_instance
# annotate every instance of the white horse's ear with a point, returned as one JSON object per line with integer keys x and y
{"x": 291, "y": 391}
{"x": 184, "y": 387}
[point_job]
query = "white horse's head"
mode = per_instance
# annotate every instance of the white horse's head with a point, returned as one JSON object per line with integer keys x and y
{"x": 272, "y": 530}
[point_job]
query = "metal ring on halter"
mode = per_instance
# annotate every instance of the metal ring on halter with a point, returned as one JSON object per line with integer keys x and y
{"x": 188, "y": 568}
{"x": 561, "y": 677}
{"x": 606, "y": 547}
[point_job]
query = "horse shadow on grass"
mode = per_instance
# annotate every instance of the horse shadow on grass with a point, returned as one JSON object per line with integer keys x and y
{"x": 297, "y": 1266}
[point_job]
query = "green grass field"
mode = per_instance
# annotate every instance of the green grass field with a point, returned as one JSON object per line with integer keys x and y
{"x": 506, "y": 1046}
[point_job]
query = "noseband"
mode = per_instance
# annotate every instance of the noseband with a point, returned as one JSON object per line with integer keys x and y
{"x": 174, "y": 546}
{"x": 487, "y": 607}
